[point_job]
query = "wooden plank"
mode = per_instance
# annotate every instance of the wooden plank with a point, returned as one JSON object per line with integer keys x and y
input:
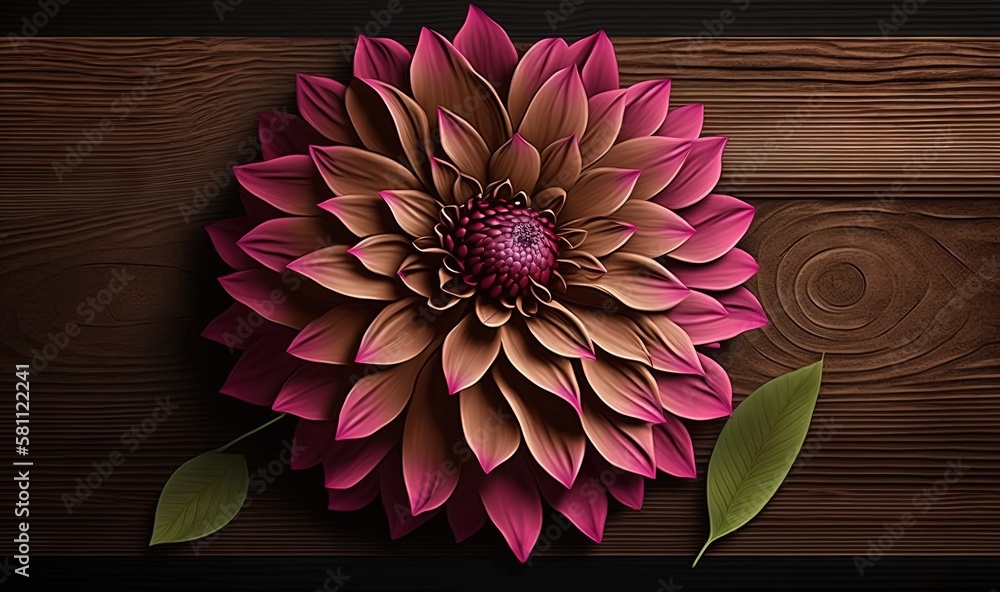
{"x": 898, "y": 290}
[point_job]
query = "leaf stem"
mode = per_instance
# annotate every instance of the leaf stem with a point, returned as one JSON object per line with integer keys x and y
{"x": 250, "y": 433}
{"x": 700, "y": 553}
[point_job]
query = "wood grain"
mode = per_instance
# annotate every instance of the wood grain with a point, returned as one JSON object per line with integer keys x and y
{"x": 898, "y": 286}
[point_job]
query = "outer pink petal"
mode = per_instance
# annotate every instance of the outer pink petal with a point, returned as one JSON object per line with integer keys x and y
{"x": 377, "y": 399}
{"x": 334, "y": 337}
{"x": 487, "y": 47}
{"x": 658, "y": 158}
{"x": 728, "y": 271}
{"x": 674, "y": 450}
{"x": 699, "y": 175}
{"x": 278, "y": 242}
{"x": 256, "y": 289}
{"x": 624, "y": 442}
{"x": 394, "y": 498}
{"x": 684, "y": 122}
{"x": 595, "y": 56}
{"x": 315, "y": 391}
{"x": 511, "y": 499}
{"x": 354, "y": 498}
{"x": 645, "y": 109}
{"x": 224, "y": 235}
{"x": 321, "y": 103}
{"x": 282, "y": 134}
{"x": 261, "y": 371}
{"x": 290, "y": 183}
{"x": 382, "y": 59}
{"x": 745, "y": 313}
{"x": 349, "y": 461}
{"x": 719, "y": 221}
{"x": 312, "y": 442}
{"x": 585, "y": 503}
{"x": 539, "y": 63}
{"x": 466, "y": 513}
{"x": 626, "y": 487}
{"x": 239, "y": 326}
{"x": 697, "y": 397}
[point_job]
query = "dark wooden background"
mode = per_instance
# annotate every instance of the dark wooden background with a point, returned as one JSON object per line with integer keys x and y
{"x": 873, "y": 165}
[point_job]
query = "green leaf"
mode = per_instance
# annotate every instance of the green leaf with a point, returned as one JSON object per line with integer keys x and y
{"x": 202, "y": 496}
{"x": 757, "y": 448}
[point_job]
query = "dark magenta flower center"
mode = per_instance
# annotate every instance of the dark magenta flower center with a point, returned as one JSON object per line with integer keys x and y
{"x": 501, "y": 246}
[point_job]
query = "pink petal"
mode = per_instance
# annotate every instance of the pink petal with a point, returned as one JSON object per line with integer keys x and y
{"x": 339, "y": 271}
{"x": 312, "y": 442}
{"x": 699, "y": 175}
{"x": 399, "y": 333}
{"x": 277, "y": 298}
{"x": 728, "y": 271}
{"x": 684, "y": 122}
{"x": 626, "y": 487}
{"x": 512, "y": 502}
{"x": 595, "y": 56}
{"x": 321, "y": 103}
{"x": 349, "y": 461}
{"x": 363, "y": 215}
{"x": 539, "y": 63}
{"x": 697, "y": 397}
{"x": 394, "y": 498}
{"x": 604, "y": 121}
{"x": 466, "y": 513}
{"x": 625, "y": 442}
{"x": 355, "y": 171}
{"x": 658, "y": 158}
{"x": 354, "y": 498}
{"x": 657, "y": 229}
{"x": 278, "y": 242}
{"x": 559, "y": 109}
{"x": 585, "y": 503}
{"x": 290, "y": 183}
{"x": 645, "y": 109}
{"x": 382, "y": 59}
{"x": 224, "y": 235}
{"x": 698, "y": 307}
{"x": 239, "y": 326}
{"x": 283, "y": 134}
{"x": 674, "y": 450}
{"x": 442, "y": 77}
{"x": 430, "y": 462}
{"x": 257, "y": 209}
{"x": 745, "y": 314}
{"x": 719, "y": 221}
{"x": 333, "y": 338}
{"x": 377, "y": 399}
{"x": 314, "y": 391}
{"x": 487, "y": 47}
{"x": 261, "y": 371}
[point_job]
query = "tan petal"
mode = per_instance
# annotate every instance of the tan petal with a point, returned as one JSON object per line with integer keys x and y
{"x": 553, "y": 198}
{"x": 377, "y": 399}
{"x": 539, "y": 63}
{"x": 442, "y": 77}
{"x": 382, "y": 253}
{"x": 611, "y": 330}
{"x": 390, "y": 123}
{"x": 335, "y": 269}
{"x": 490, "y": 313}
{"x": 658, "y": 158}
{"x": 559, "y": 109}
{"x": 561, "y": 164}
{"x": 463, "y": 144}
{"x": 489, "y": 424}
{"x": 657, "y": 229}
{"x": 583, "y": 264}
{"x": 334, "y": 337}
{"x": 551, "y": 429}
{"x": 670, "y": 347}
{"x": 606, "y": 111}
{"x": 430, "y": 460}
{"x": 559, "y": 330}
{"x": 399, "y": 333}
{"x": 355, "y": 171}
{"x": 419, "y": 275}
{"x": 599, "y": 192}
{"x": 605, "y": 236}
{"x": 518, "y": 161}
{"x": 444, "y": 175}
{"x": 638, "y": 282}
{"x": 626, "y": 387}
{"x": 624, "y": 442}
{"x": 541, "y": 366}
{"x": 363, "y": 215}
{"x": 415, "y": 211}
{"x": 468, "y": 352}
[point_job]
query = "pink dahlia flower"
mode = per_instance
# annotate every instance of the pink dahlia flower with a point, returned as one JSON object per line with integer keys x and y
{"x": 480, "y": 279}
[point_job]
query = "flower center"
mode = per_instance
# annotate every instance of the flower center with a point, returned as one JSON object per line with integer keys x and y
{"x": 502, "y": 246}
